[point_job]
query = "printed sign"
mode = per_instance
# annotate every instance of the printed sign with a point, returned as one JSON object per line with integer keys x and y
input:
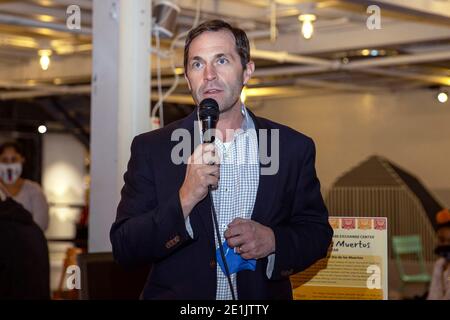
{"x": 356, "y": 265}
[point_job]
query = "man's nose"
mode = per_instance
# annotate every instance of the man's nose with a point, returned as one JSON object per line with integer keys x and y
{"x": 210, "y": 73}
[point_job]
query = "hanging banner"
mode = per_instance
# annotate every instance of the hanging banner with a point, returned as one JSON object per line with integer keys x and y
{"x": 356, "y": 265}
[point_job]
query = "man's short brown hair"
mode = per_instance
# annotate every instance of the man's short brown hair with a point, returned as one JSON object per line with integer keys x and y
{"x": 241, "y": 40}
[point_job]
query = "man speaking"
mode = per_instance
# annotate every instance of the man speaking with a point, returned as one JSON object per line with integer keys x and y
{"x": 221, "y": 225}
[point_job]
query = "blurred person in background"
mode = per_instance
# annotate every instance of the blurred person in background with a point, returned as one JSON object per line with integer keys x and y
{"x": 26, "y": 192}
{"x": 24, "y": 260}
{"x": 440, "y": 282}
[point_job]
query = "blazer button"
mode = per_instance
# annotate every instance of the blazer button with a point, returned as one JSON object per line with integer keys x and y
{"x": 212, "y": 264}
{"x": 172, "y": 242}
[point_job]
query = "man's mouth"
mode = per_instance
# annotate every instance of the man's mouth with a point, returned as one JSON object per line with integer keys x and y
{"x": 212, "y": 91}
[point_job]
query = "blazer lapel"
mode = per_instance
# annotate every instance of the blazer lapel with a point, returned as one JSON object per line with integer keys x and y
{"x": 267, "y": 183}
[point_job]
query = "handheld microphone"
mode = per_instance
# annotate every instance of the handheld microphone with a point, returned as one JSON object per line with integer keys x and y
{"x": 209, "y": 115}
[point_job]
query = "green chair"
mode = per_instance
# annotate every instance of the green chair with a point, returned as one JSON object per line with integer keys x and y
{"x": 411, "y": 244}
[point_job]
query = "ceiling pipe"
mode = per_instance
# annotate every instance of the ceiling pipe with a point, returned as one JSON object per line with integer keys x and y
{"x": 432, "y": 10}
{"x": 284, "y": 57}
{"x": 336, "y": 85}
{"x": 364, "y": 66}
{"x": 83, "y": 89}
{"x": 84, "y": 4}
{"x": 431, "y": 78}
{"x": 397, "y": 60}
{"x": 19, "y": 21}
{"x": 29, "y": 86}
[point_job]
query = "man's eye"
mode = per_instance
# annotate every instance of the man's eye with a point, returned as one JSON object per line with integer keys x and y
{"x": 196, "y": 65}
{"x": 222, "y": 60}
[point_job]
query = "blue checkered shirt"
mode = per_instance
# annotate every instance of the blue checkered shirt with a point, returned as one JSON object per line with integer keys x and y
{"x": 236, "y": 192}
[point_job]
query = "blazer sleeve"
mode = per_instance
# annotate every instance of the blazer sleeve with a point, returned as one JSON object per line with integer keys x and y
{"x": 305, "y": 237}
{"x": 145, "y": 231}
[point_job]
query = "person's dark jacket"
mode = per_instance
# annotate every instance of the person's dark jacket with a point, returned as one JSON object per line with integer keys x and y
{"x": 150, "y": 226}
{"x": 24, "y": 260}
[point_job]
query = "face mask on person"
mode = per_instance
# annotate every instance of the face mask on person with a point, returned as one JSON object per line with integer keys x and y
{"x": 443, "y": 251}
{"x": 10, "y": 172}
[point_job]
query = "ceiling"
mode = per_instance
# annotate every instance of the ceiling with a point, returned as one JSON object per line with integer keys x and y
{"x": 410, "y": 50}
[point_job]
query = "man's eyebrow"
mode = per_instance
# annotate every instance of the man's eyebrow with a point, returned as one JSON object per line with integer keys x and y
{"x": 197, "y": 58}
{"x": 222, "y": 55}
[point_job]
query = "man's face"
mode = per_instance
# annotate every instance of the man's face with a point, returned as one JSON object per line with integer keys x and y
{"x": 214, "y": 69}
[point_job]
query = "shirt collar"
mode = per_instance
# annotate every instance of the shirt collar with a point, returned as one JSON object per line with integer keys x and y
{"x": 247, "y": 122}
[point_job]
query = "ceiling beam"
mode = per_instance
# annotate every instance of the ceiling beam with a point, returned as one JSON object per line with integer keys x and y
{"x": 76, "y": 90}
{"x": 427, "y": 8}
{"x": 40, "y": 11}
{"x": 399, "y": 60}
{"x": 61, "y": 66}
{"x": 357, "y": 37}
{"x": 84, "y": 4}
{"x": 430, "y": 78}
{"x": 28, "y": 22}
{"x": 231, "y": 9}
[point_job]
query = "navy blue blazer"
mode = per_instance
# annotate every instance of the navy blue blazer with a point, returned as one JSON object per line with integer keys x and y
{"x": 150, "y": 226}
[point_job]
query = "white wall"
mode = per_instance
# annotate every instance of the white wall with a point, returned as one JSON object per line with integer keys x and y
{"x": 63, "y": 175}
{"x": 409, "y": 128}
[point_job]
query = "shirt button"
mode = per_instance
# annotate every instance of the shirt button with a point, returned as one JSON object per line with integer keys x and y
{"x": 224, "y": 225}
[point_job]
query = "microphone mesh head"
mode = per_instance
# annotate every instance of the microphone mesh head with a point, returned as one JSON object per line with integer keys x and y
{"x": 209, "y": 109}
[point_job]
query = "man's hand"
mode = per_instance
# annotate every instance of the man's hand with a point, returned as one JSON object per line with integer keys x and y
{"x": 251, "y": 239}
{"x": 202, "y": 171}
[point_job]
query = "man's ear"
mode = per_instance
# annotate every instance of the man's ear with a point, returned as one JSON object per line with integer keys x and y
{"x": 187, "y": 80}
{"x": 248, "y": 71}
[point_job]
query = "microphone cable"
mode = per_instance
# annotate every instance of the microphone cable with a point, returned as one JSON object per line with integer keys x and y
{"x": 219, "y": 239}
